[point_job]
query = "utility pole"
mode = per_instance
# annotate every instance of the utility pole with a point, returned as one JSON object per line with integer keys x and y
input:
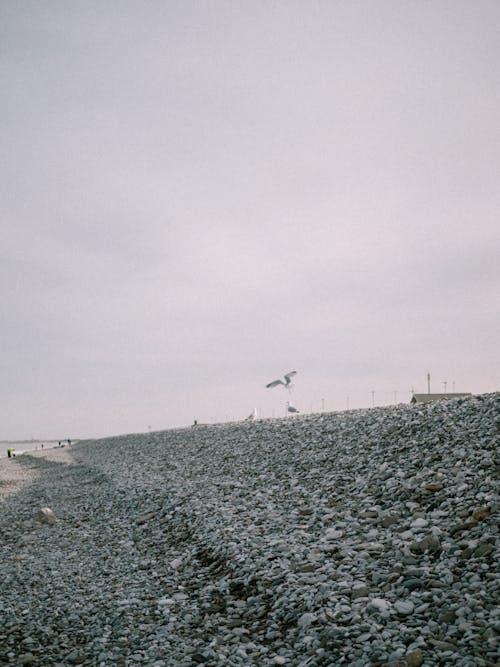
{"x": 445, "y": 384}
{"x": 347, "y": 403}
{"x": 428, "y": 383}
{"x": 453, "y": 386}
{"x": 373, "y": 398}
{"x": 322, "y": 405}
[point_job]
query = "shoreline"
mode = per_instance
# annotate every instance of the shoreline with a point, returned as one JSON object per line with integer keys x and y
{"x": 14, "y": 476}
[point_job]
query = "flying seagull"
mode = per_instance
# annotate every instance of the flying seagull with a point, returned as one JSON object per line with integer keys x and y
{"x": 286, "y": 383}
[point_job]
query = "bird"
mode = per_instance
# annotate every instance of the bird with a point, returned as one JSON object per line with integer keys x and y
{"x": 252, "y": 416}
{"x": 286, "y": 383}
{"x": 290, "y": 407}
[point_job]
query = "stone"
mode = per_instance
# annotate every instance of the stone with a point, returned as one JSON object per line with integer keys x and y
{"x": 380, "y": 605}
{"x": 306, "y": 620}
{"x": 428, "y": 543}
{"x": 481, "y": 514}
{"x": 414, "y": 658}
{"x": 333, "y": 534}
{"x": 484, "y": 549}
{"x": 412, "y": 583}
{"x": 447, "y": 617}
{"x": 440, "y": 645}
{"x": 432, "y": 486}
{"x": 47, "y": 516}
{"x": 359, "y": 592}
{"x": 389, "y": 520}
{"x": 404, "y": 607}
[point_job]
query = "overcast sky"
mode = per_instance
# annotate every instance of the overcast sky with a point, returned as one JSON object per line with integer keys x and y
{"x": 198, "y": 197}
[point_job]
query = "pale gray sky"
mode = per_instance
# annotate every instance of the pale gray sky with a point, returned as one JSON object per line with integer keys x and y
{"x": 200, "y": 196}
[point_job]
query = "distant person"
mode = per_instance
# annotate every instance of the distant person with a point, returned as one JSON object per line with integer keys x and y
{"x": 9, "y": 452}
{"x": 42, "y": 445}
{"x": 59, "y": 443}
{"x": 69, "y": 442}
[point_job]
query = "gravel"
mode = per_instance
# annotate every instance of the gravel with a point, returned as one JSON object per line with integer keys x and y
{"x": 362, "y": 538}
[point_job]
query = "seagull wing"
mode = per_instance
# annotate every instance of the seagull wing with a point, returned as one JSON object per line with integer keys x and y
{"x": 290, "y": 375}
{"x": 274, "y": 383}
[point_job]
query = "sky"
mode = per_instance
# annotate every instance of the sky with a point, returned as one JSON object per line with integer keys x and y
{"x": 198, "y": 197}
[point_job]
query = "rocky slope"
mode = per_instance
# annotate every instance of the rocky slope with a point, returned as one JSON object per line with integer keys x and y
{"x": 362, "y": 538}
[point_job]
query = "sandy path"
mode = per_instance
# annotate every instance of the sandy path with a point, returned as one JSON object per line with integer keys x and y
{"x": 58, "y": 454}
{"x": 14, "y": 475}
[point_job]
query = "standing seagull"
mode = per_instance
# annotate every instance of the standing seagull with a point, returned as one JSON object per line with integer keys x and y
{"x": 290, "y": 407}
{"x": 287, "y": 383}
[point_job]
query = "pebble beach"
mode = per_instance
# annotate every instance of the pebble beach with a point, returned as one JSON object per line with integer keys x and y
{"x": 366, "y": 538}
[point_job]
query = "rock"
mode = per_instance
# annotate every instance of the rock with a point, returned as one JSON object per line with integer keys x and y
{"x": 144, "y": 518}
{"x": 404, "y": 607}
{"x": 484, "y": 549}
{"x": 414, "y": 659}
{"x": 389, "y": 520}
{"x": 432, "y": 486}
{"x": 412, "y": 583}
{"x": 306, "y": 620}
{"x": 447, "y": 617}
{"x": 47, "y": 516}
{"x": 359, "y": 592}
{"x": 26, "y": 659}
{"x": 481, "y": 514}
{"x": 333, "y": 534}
{"x": 428, "y": 543}
{"x": 440, "y": 645}
{"x": 381, "y": 605}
